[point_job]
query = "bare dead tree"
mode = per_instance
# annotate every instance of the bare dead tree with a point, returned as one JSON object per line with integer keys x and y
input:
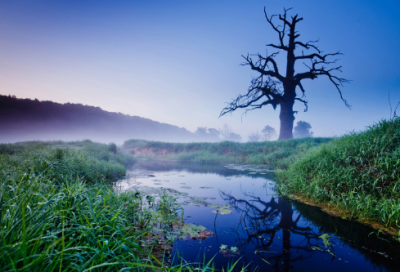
{"x": 273, "y": 88}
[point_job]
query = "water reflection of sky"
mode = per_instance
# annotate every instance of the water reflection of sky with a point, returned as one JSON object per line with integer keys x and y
{"x": 271, "y": 233}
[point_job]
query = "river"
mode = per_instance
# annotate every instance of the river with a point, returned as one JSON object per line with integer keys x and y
{"x": 258, "y": 228}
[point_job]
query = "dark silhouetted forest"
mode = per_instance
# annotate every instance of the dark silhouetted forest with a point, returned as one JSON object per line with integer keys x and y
{"x": 26, "y": 119}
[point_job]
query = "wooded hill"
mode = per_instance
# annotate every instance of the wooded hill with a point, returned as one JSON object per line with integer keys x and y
{"x": 26, "y": 120}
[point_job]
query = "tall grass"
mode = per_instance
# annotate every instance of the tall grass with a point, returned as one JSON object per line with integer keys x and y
{"x": 279, "y": 153}
{"x": 358, "y": 173}
{"x": 60, "y": 212}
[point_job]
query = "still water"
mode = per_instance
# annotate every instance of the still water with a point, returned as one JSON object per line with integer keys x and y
{"x": 263, "y": 231}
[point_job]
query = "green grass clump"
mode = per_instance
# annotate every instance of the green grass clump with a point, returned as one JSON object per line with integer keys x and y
{"x": 279, "y": 153}
{"x": 87, "y": 160}
{"x": 59, "y": 211}
{"x": 359, "y": 173}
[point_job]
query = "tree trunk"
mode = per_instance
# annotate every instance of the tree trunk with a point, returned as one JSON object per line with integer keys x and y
{"x": 287, "y": 118}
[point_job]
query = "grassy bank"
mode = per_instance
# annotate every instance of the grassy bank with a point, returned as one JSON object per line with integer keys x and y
{"x": 356, "y": 176}
{"x": 59, "y": 212}
{"x": 278, "y": 154}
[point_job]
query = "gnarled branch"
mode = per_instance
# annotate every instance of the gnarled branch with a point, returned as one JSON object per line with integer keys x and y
{"x": 261, "y": 66}
{"x": 260, "y": 88}
{"x": 318, "y": 68}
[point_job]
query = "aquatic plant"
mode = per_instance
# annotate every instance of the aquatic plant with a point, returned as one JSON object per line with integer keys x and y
{"x": 223, "y": 209}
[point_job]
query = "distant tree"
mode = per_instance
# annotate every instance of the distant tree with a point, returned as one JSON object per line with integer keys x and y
{"x": 254, "y": 137}
{"x": 201, "y": 131}
{"x": 273, "y": 88}
{"x": 302, "y": 130}
{"x": 234, "y": 137}
{"x": 268, "y": 133}
{"x": 228, "y": 135}
{"x": 210, "y": 134}
{"x": 225, "y": 131}
{"x": 214, "y": 133}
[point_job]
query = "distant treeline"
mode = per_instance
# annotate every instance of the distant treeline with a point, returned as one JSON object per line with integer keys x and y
{"x": 26, "y": 119}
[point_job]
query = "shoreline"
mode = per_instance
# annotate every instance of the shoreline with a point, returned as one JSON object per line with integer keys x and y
{"x": 335, "y": 211}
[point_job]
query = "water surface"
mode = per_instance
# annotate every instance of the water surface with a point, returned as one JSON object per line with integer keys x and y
{"x": 260, "y": 229}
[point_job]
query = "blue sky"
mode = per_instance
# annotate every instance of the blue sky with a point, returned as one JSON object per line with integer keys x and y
{"x": 178, "y": 62}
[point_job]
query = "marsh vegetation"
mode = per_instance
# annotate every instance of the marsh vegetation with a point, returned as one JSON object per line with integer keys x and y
{"x": 60, "y": 211}
{"x": 71, "y": 206}
{"x": 357, "y": 175}
{"x": 279, "y": 154}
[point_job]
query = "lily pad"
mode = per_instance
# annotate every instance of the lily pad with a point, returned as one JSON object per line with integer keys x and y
{"x": 191, "y": 230}
{"x": 234, "y": 249}
{"x": 223, "y": 210}
{"x": 194, "y": 202}
{"x": 223, "y": 247}
{"x": 204, "y": 234}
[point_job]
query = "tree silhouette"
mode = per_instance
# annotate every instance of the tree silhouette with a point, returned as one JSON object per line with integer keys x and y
{"x": 228, "y": 135}
{"x": 261, "y": 223}
{"x": 268, "y": 133}
{"x": 302, "y": 130}
{"x": 273, "y": 88}
{"x": 254, "y": 137}
{"x": 208, "y": 134}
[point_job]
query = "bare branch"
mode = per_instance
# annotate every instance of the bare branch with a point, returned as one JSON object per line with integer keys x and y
{"x": 259, "y": 67}
{"x": 315, "y": 55}
{"x": 260, "y": 88}
{"x": 305, "y": 103}
{"x": 282, "y": 47}
{"x": 316, "y": 72}
{"x": 308, "y": 45}
{"x": 271, "y": 60}
{"x": 301, "y": 88}
{"x": 281, "y": 33}
{"x": 283, "y": 19}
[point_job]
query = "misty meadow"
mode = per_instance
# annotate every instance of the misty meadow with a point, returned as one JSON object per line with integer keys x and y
{"x": 199, "y": 136}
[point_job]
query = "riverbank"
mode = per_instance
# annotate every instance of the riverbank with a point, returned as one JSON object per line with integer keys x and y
{"x": 280, "y": 154}
{"x": 356, "y": 176}
{"x": 60, "y": 211}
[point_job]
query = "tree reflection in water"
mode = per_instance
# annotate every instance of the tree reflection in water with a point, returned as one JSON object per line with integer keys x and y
{"x": 261, "y": 223}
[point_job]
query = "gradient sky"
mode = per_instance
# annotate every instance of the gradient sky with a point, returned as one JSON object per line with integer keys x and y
{"x": 178, "y": 62}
